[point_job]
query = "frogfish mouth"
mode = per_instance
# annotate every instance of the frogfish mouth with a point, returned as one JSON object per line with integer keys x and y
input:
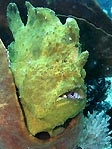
{"x": 75, "y": 94}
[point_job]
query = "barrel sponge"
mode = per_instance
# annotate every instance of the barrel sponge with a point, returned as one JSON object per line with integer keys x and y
{"x": 47, "y": 66}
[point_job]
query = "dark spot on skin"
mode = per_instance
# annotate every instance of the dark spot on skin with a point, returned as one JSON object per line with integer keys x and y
{"x": 64, "y": 61}
{"x": 36, "y": 12}
{"x": 57, "y": 60}
{"x": 76, "y": 46}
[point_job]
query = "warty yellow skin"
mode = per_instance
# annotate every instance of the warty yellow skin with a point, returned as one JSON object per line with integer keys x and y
{"x": 47, "y": 63}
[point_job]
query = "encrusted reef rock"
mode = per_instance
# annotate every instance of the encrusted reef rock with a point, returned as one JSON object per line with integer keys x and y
{"x": 47, "y": 65}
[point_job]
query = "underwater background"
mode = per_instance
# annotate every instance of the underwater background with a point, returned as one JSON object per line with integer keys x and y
{"x": 95, "y": 22}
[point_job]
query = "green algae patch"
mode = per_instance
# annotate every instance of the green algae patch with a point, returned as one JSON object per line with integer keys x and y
{"x": 47, "y": 66}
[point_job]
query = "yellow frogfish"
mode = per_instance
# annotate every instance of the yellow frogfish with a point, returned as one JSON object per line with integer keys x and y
{"x": 47, "y": 66}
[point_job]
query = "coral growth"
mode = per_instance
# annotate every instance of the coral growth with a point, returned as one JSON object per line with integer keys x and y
{"x": 47, "y": 65}
{"x": 95, "y": 132}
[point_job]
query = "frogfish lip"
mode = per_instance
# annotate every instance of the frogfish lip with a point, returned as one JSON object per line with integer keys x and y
{"x": 75, "y": 94}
